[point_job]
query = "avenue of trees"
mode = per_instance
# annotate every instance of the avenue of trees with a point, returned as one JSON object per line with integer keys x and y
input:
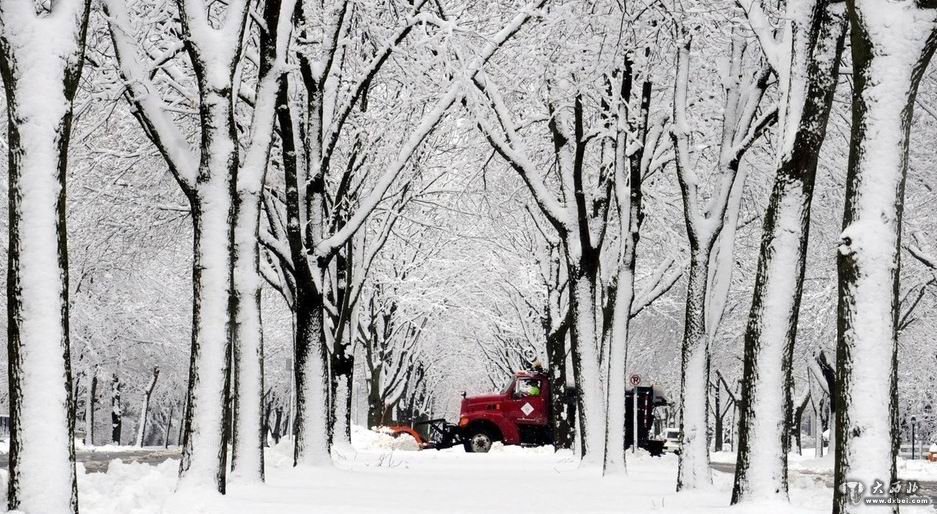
{"x": 233, "y": 223}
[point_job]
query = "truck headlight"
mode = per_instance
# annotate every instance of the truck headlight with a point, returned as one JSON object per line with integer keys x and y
{"x": 463, "y": 421}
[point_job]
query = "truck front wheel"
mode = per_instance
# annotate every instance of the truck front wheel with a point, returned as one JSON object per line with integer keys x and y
{"x": 478, "y": 441}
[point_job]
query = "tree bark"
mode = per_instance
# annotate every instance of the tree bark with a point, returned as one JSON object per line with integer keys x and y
{"x": 342, "y": 381}
{"x": 891, "y": 47}
{"x": 797, "y": 422}
{"x": 693, "y": 468}
{"x": 247, "y": 458}
{"x": 117, "y": 411}
{"x": 40, "y": 77}
{"x": 717, "y": 429}
{"x": 563, "y": 423}
{"x": 583, "y": 275}
{"x": 277, "y": 424}
{"x": 168, "y": 426}
{"x": 818, "y": 33}
{"x": 313, "y": 420}
{"x": 90, "y": 401}
{"x": 342, "y": 363}
{"x": 375, "y": 401}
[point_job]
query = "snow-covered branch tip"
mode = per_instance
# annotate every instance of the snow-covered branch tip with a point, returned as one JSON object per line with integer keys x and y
{"x": 764, "y": 30}
{"x": 764, "y": 122}
{"x": 149, "y": 107}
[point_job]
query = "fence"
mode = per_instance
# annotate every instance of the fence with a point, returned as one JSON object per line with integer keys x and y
{"x": 920, "y": 450}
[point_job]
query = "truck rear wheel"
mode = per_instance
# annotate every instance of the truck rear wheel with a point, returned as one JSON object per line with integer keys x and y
{"x": 479, "y": 441}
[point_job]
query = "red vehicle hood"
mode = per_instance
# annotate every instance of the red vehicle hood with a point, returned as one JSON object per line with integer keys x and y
{"x": 482, "y": 402}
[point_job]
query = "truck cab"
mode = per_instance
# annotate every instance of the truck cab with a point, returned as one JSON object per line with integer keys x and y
{"x": 520, "y": 414}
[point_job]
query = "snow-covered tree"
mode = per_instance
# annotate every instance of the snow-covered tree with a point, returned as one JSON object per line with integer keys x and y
{"x": 742, "y": 125}
{"x": 391, "y": 353}
{"x": 41, "y": 54}
{"x": 576, "y": 223}
{"x": 806, "y": 59}
{"x": 891, "y": 46}
{"x": 248, "y": 385}
{"x": 223, "y": 194}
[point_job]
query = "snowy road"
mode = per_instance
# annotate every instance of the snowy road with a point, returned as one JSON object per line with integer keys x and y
{"x": 928, "y": 488}
{"x": 96, "y": 461}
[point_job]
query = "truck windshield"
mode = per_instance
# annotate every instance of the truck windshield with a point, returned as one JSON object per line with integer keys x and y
{"x": 507, "y": 388}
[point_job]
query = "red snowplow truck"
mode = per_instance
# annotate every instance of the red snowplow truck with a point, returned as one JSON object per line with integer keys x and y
{"x": 520, "y": 415}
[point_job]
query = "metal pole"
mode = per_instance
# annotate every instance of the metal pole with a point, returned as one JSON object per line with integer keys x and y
{"x": 912, "y": 438}
{"x": 634, "y": 440}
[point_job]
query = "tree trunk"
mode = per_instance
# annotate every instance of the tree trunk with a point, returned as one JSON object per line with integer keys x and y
{"x": 797, "y": 422}
{"x": 817, "y": 431}
{"x": 181, "y": 433}
{"x": 828, "y": 374}
{"x": 717, "y": 429}
{"x": 586, "y": 372}
{"x": 117, "y": 411}
{"x": 375, "y": 401}
{"x": 563, "y": 425}
{"x": 616, "y": 417}
{"x": 343, "y": 367}
{"x": 168, "y": 426}
{"x": 277, "y": 424}
{"x": 693, "y": 471}
{"x": 204, "y": 443}
{"x": 268, "y": 411}
{"x": 311, "y": 421}
{"x": 145, "y": 408}
{"x": 247, "y": 441}
{"x": 313, "y": 426}
{"x": 247, "y": 445}
{"x": 40, "y": 75}
{"x": 91, "y": 400}
{"x": 891, "y": 46}
{"x": 766, "y": 404}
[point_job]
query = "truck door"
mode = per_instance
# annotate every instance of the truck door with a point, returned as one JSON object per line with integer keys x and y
{"x": 528, "y": 403}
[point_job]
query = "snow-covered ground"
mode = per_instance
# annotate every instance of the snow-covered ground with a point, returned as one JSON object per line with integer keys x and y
{"x": 388, "y": 476}
{"x": 381, "y": 475}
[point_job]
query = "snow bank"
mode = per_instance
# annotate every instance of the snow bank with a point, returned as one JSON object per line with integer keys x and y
{"x": 381, "y": 439}
{"x": 132, "y": 488}
{"x": 917, "y": 469}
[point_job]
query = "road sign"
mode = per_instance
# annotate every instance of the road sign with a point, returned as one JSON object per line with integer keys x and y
{"x": 635, "y": 379}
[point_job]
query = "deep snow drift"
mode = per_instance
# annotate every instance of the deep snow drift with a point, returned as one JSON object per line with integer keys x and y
{"x": 387, "y": 476}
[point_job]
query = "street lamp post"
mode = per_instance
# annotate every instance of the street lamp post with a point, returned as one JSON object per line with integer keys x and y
{"x": 913, "y": 422}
